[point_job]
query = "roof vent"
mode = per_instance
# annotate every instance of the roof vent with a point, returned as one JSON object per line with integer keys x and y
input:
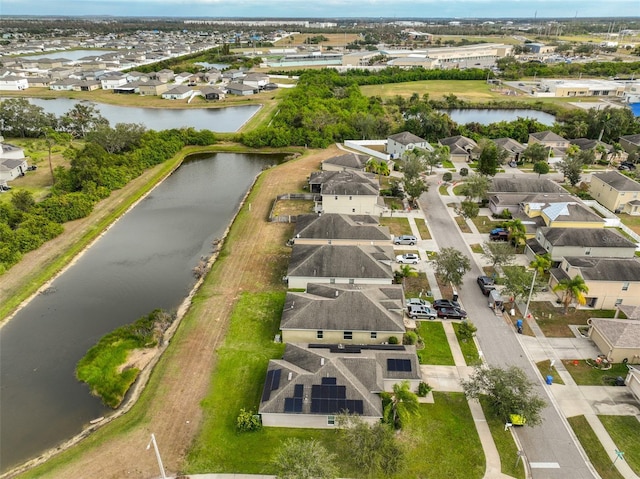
{"x": 290, "y": 376}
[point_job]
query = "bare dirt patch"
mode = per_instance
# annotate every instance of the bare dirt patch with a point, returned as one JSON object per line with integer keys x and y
{"x": 253, "y": 261}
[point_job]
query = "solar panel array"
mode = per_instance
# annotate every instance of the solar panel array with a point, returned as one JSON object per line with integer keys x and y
{"x": 331, "y": 398}
{"x": 271, "y": 383}
{"x": 398, "y": 364}
{"x": 294, "y": 404}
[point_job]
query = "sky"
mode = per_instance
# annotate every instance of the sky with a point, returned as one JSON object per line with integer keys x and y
{"x": 425, "y": 9}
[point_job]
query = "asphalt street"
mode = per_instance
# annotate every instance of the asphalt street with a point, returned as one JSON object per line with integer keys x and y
{"x": 550, "y": 448}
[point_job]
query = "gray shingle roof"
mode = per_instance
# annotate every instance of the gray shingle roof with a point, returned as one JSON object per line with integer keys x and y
{"x": 571, "y": 212}
{"x": 510, "y": 145}
{"x": 525, "y": 185}
{"x": 406, "y": 138}
{"x": 349, "y": 160}
{"x": 349, "y": 182}
{"x": 618, "y": 181}
{"x": 332, "y": 261}
{"x": 621, "y": 333}
{"x": 587, "y": 237}
{"x": 547, "y": 136}
{"x": 345, "y": 307}
{"x": 336, "y": 226}
{"x": 606, "y": 269}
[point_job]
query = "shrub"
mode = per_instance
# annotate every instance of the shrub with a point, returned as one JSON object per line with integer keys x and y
{"x": 466, "y": 330}
{"x": 447, "y": 176}
{"x": 410, "y": 338}
{"x": 393, "y": 340}
{"x": 464, "y": 171}
{"x": 247, "y": 421}
{"x": 423, "y": 389}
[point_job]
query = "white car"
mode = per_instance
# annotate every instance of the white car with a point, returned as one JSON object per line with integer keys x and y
{"x": 408, "y": 258}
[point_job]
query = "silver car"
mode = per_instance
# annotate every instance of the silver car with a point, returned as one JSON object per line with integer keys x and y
{"x": 405, "y": 239}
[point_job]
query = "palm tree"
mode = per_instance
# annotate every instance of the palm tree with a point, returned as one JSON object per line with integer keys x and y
{"x": 399, "y": 406}
{"x": 542, "y": 263}
{"x": 574, "y": 290}
{"x": 517, "y": 231}
{"x": 405, "y": 271}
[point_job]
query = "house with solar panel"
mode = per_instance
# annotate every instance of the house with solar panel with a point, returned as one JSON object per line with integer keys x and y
{"x": 313, "y": 383}
{"x": 339, "y": 264}
{"x": 340, "y": 229}
{"x": 344, "y": 313}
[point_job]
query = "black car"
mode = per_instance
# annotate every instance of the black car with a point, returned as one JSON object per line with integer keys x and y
{"x": 445, "y": 303}
{"x": 451, "y": 313}
{"x": 627, "y": 165}
{"x": 486, "y": 284}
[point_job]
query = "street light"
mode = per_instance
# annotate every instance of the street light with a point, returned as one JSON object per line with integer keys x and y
{"x": 155, "y": 448}
{"x": 526, "y": 310}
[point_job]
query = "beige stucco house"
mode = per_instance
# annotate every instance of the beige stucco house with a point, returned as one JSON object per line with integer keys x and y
{"x": 336, "y": 264}
{"x": 347, "y": 192}
{"x": 461, "y": 148}
{"x": 344, "y": 313}
{"x": 611, "y": 281}
{"x": 400, "y": 143}
{"x": 617, "y": 339}
{"x": 340, "y": 230}
{"x": 313, "y": 383}
{"x": 616, "y": 192}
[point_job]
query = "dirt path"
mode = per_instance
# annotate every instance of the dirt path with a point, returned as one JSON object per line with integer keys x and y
{"x": 174, "y": 414}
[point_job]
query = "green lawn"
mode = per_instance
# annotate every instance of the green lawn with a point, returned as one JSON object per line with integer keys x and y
{"x": 423, "y": 229}
{"x": 462, "y": 223}
{"x": 546, "y": 370}
{"x": 457, "y": 190}
{"x": 413, "y": 286}
{"x": 442, "y": 442}
{"x": 555, "y": 324}
{"x": 632, "y": 222}
{"x": 625, "y": 432}
{"x": 393, "y": 203}
{"x": 436, "y": 347}
{"x": 468, "y": 347}
{"x": 442, "y": 189}
{"x": 397, "y": 226}
{"x": 592, "y": 446}
{"x": 585, "y": 375}
{"x": 476, "y": 248}
{"x": 505, "y": 444}
{"x": 486, "y": 224}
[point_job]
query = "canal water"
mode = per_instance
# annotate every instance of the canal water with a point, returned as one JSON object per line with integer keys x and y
{"x": 486, "y": 117}
{"x": 143, "y": 262}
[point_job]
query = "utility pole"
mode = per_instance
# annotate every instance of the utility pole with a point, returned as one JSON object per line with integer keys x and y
{"x": 526, "y": 309}
{"x": 155, "y": 448}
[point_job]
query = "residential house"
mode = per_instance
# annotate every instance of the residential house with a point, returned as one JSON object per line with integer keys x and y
{"x": 348, "y": 192}
{"x": 183, "y": 77}
{"x": 240, "y": 89}
{"x": 86, "y": 85}
{"x": 257, "y": 81}
{"x": 232, "y": 74}
{"x": 527, "y": 184}
{"x": 135, "y": 76}
{"x": 153, "y": 88}
{"x": 63, "y": 85}
{"x": 400, "y": 143}
{"x": 594, "y": 242}
{"x": 128, "y": 88}
{"x": 213, "y": 75}
{"x": 165, "y": 75}
{"x": 601, "y": 150}
{"x": 39, "y": 82}
{"x": 572, "y": 214}
{"x": 340, "y": 230}
{"x": 556, "y": 144}
{"x": 633, "y": 382}
{"x": 60, "y": 73}
{"x": 12, "y": 162}
{"x": 344, "y": 313}
{"x": 113, "y": 80}
{"x": 617, "y": 339}
{"x": 616, "y": 192}
{"x": 336, "y": 264}
{"x": 460, "y": 147}
{"x": 498, "y": 202}
{"x": 212, "y": 93}
{"x": 611, "y": 281}
{"x": 630, "y": 143}
{"x": 13, "y": 83}
{"x": 346, "y": 161}
{"x": 313, "y": 383}
{"x": 179, "y": 92}
{"x": 512, "y": 147}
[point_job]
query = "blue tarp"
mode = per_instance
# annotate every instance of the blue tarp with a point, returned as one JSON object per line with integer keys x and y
{"x": 635, "y": 108}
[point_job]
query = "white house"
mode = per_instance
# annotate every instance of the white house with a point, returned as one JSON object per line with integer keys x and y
{"x": 113, "y": 80}
{"x": 13, "y": 83}
{"x": 179, "y": 92}
{"x": 400, "y": 143}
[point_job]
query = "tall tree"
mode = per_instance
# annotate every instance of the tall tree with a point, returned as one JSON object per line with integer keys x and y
{"x": 297, "y": 459}
{"x": 475, "y": 187}
{"x": 518, "y": 283}
{"x": 517, "y": 231}
{"x": 573, "y": 289}
{"x": 498, "y": 253}
{"x": 541, "y": 167}
{"x": 509, "y": 391}
{"x": 82, "y": 119}
{"x": 413, "y": 166}
{"x": 400, "y": 405}
{"x": 571, "y": 168}
{"x": 542, "y": 263}
{"x": 439, "y": 155}
{"x": 535, "y": 152}
{"x": 451, "y": 265}
{"x": 491, "y": 157}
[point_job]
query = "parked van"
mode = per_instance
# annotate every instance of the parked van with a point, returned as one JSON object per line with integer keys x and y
{"x": 495, "y": 300}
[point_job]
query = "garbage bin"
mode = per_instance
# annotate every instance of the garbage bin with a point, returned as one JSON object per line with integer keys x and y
{"x": 549, "y": 380}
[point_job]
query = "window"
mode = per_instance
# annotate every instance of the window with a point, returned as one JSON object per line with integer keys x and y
{"x": 348, "y": 335}
{"x": 319, "y": 334}
{"x": 353, "y": 210}
{"x": 374, "y": 335}
{"x": 618, "y": 302}
{"x": 335, "y": 197}
{"x": 625, "y": 286}
{"x": 587, "y": 251}
{"x": 352, "y": 281}
{"x": 350, "y": 198}
{"x": 332, "y": 281}
{"x": 331, "y": 420}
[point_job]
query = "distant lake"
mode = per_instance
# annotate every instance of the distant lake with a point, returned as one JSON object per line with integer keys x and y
{"x": 224, "y": 120}
{"x": 486, "y": 117}
{"x": 219, "y": 66}
{"x": 72, "y": 55}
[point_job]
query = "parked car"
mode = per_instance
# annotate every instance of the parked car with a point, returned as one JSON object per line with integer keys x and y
{"x": 416, "y": 311}
{"x": 486, "y": 284}
{"x": 418, "y": 302}
{"x": 445, "y": 303}
{"x": 627, "y": 165}
{"x": 499, "y": 236}
{"x": 405, "y": 239}
{"x": 408, "y": 258}
{"x": 32, "y": 168}
{"x": 451, "y": 313}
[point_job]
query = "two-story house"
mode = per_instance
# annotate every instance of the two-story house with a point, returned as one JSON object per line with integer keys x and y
{"x": 400, "y": 143}
{"x": 347, "y": 192}
{"x": 616, "y": 192}
{"x": 340, "y": 229}
{"x": 461, "y": 148}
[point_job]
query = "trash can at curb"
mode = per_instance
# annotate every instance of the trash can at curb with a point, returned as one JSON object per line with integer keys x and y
{"x": 549, "y": 380}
